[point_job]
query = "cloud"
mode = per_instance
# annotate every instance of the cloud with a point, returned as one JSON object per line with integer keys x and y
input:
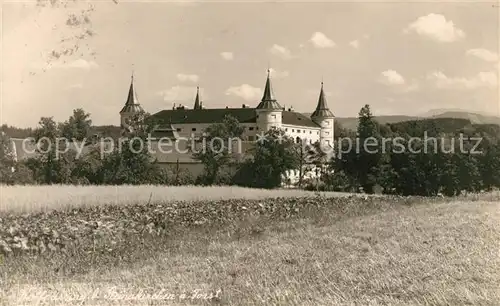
{"x": 485, "y": 55}
{"x": 279, "y": 74}
{"x": 228, "y": 56}
{"x": 245, "y": 91}
{"x": 320, "y": 40}
{"x": 481, "y": 80}
{"x": 397, "y": 82}
{"x": 76, "y": 64}
{"x": 354, "y": 44}
{"x": 281, "y": 51}
{"x": 436, "y": 27}
{"x": 187, "y": 77}
{"x": 179, "y": 93}
{"x": 391, "y": 77}
{"x": 83, "y": 64}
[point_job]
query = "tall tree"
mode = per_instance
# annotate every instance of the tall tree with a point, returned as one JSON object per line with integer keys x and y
{"x": 273, "y": 155}
{"x": 77, "y": 126}
{"x": 369, "y": 159}
{"x": 214, "y": 148}
{"x": 7, "y": 159}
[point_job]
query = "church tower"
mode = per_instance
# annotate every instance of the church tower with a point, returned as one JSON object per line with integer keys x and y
{"x": 269, "y": 111}
{"x": 197, "y": 100}
{"x": 131, "y": 107}
{"x": 324, "y": 117}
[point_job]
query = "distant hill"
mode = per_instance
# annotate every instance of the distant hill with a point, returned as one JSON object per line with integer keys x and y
{"x": 473, "y": 117}
{"x": 352, "y": 122}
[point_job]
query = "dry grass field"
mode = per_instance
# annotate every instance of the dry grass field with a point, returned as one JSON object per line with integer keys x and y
{"x": 344, "y": 251}
{"x": 41, "y": 198}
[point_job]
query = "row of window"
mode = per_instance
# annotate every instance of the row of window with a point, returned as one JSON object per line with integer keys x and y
{"x": 257, "y": 128}
{"x": 194, "y": 129}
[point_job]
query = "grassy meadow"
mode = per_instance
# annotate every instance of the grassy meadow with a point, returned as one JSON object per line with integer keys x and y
{"x": 232, "y": 246}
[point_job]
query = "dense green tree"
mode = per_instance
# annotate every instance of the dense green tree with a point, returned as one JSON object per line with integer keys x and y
{"x": 77, "y": 127}
{"x": 370, "y": 156}
{"x": 272, "y": 157}
{"x": 215, "y": 148}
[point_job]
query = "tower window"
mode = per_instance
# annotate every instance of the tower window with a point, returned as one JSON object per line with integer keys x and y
{"x": 297, "y": 139}
{"x": 310, "y": 132}
{"x": 293, "y": 130}
{"x": 298, "y": 131}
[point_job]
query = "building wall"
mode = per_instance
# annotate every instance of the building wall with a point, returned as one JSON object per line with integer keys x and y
{"x": 197, "y": 129}
{"x": 267, "y": 119}
{"x": 310, "y": 134}
{"x": 327, "y": 131}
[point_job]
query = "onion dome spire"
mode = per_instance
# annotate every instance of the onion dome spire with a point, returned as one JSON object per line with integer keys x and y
{"x": 132, "y": 104}
{"x": 268, "y": 99}
{"x": 197, "y": 102}
{"x": 322, "y": 109}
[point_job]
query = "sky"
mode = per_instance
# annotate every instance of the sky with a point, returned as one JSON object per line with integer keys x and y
{"x": 402, "y": 58}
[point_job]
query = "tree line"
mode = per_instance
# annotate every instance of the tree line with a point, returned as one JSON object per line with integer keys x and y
{"x": 373, "y": 170}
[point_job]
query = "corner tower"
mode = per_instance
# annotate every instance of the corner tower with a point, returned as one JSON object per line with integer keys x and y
{"x": 131, "y": 107}
{"x": 269, "y": 111}
{"x": 324, "y": 118}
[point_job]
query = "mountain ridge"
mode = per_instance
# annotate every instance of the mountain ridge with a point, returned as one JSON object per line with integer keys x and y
{"x": 476, "y": 118}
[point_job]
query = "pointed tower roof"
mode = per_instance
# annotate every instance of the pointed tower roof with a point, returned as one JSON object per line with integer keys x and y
{"x": 322, "y": 109}
{"x": 197, "y": 102}
{"x": 132, "y": 104}
{"x": 268, "y": 99}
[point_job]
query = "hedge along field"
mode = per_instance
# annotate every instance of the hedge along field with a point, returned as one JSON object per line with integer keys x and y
{"x": 26, "y": 199}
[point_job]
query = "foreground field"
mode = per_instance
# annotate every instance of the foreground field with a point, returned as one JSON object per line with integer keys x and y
{"x": 268, "y": 252}
{"x": 42, "y": 198}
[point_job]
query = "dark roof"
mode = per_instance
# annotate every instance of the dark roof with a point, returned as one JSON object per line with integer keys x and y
{"x": 322, "y": 110}
{"x": 244, "y": 115}
{"x": 293, "y": 118}
{"x": 190, "y": 116}
{"x": 268, "y": 99}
